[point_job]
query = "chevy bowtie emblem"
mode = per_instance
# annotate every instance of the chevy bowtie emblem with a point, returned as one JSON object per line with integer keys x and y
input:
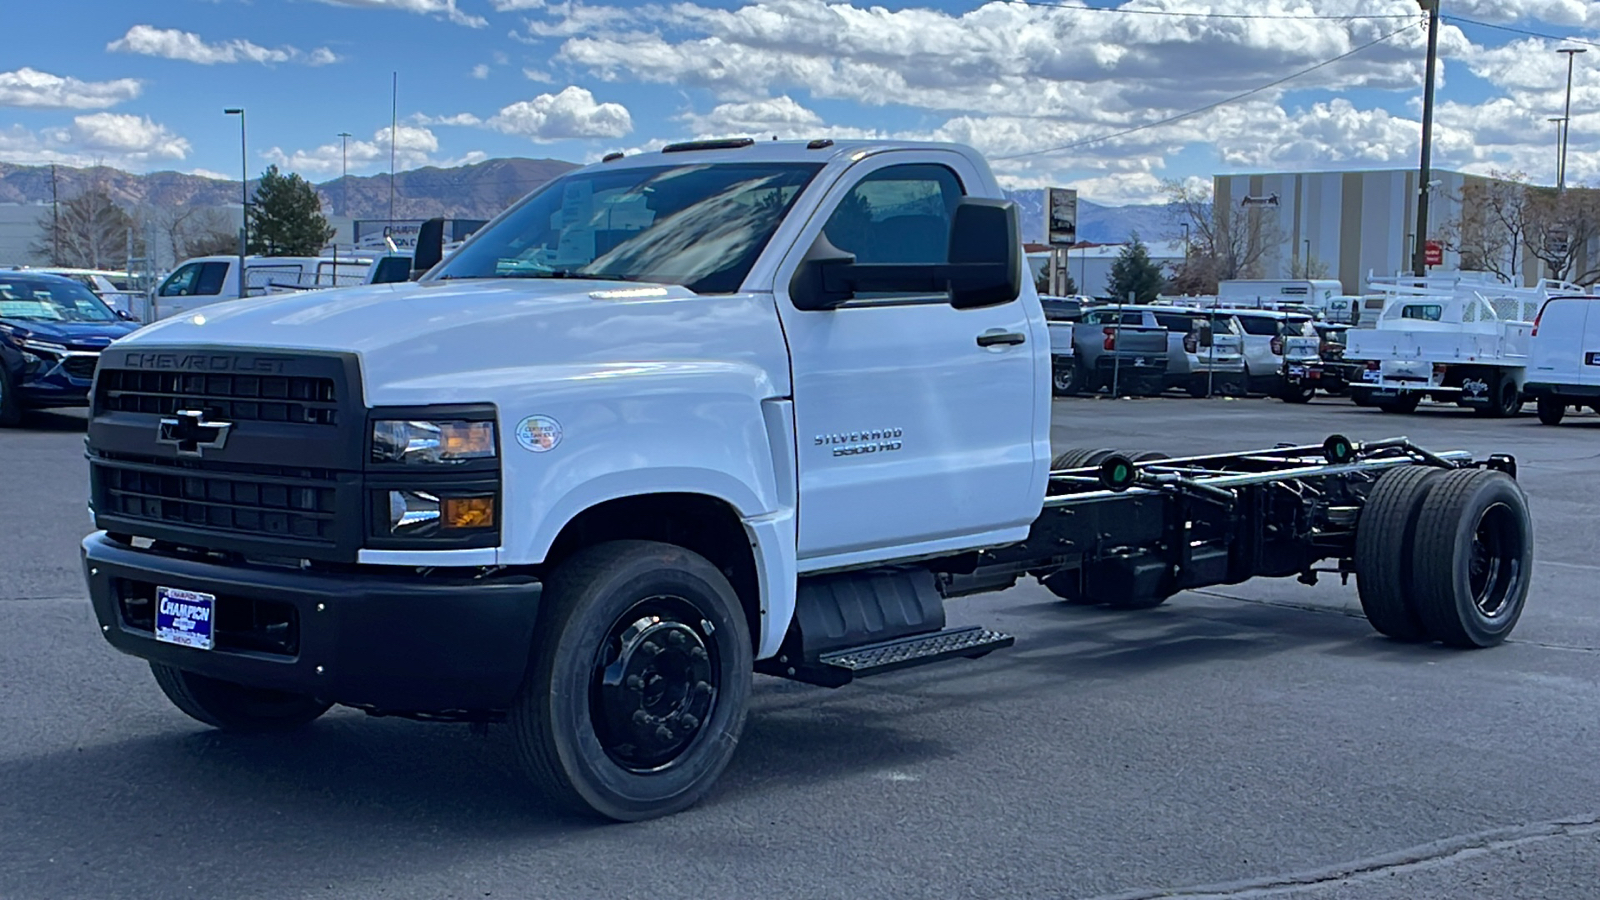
{"x": 191, "y": 433}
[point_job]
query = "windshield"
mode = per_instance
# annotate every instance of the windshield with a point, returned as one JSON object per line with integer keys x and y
{"x": 50, "y": 301}
{"x": 700, "y": 226}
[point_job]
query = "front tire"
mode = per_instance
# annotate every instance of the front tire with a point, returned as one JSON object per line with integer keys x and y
{"x": 639, "y": 684}
{"x": 1065, "y": 380}
{"x": 10, "y": 403}
{"x": 1385, "y": 533}
{"x": 1405, "y": 404}
{"x": 1301, "y": 393}
{"x": 235, "y": 707}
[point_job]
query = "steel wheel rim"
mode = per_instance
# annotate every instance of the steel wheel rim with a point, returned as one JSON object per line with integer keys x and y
{"x": 1494, "y": 560}
{"x": 654, "y": 684}
{"x": 1063, "y": 379}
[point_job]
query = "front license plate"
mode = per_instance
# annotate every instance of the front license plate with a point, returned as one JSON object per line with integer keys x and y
{"x": 185, "y": 617}
{"x": 1369, "y": 375}
{"x": 1297, "y": 371}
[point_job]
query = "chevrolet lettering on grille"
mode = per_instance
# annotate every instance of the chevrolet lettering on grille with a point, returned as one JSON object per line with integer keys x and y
{"x": 191, "y": 433}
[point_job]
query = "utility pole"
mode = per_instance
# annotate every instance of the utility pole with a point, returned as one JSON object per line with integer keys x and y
{"x": 1560, "y": 125}
{"x": 55, "y": 220}
{"x": 1566, "y": 119}
{"x": 1419, "y": 266}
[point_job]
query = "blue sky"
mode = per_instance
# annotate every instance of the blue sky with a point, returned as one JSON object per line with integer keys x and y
{"x": 143, "y": 85}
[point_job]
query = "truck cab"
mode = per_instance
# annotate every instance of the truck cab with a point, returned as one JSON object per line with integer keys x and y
{"x": 204, "y": 280}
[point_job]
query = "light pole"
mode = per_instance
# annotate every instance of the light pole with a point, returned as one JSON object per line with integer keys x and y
{"x": 1418, "y": 263}
{"x": 1559, "y": 126}
{"x": 1566, "y": 118}
{"x": 1306, "y": 271}
{"x": 344, "y": 172}
{"x": 1185, "y": 244}
{"x": 244, "y": 196}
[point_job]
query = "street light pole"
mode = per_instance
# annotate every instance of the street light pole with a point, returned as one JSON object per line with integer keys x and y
{"x": 344, "y": 173}
{"x": 244, "y": 197}
{"x": 1306, "y": 271}
{"x": 1566, "y": 118}
{"x": 1559, "y": 126}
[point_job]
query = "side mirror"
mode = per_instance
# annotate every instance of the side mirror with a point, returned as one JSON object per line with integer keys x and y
{"x": 430, "y": 246}
{"x": 124, "y": 315}
{"x": 983, "y": 267}
{"x": 985, "y": 253}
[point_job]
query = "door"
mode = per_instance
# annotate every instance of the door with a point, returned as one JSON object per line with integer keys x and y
{"x": 916, "y": 421}
{"x": 1565, "y": 348}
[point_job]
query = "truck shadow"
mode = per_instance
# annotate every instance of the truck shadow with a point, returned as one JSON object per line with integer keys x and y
{"x": 306, "y": 812}
{"x": 50, "y": 420}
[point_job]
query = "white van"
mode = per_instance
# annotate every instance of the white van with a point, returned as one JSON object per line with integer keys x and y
{"x": 1564, "y": 357}
{"x": 209, "y": 279}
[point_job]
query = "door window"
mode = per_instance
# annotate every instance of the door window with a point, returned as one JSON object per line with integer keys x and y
{"x": 897, "y": 215}
{"x": 181, "y": 282}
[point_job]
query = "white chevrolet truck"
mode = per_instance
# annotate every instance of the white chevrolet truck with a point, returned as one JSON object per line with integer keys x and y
{"x": 678, "y": 418}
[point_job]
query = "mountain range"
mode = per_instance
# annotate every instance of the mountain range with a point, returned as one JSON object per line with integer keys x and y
{"x": 476, "y": 191}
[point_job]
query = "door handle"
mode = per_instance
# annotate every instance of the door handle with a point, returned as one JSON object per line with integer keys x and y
{"x": 991, "y": 338}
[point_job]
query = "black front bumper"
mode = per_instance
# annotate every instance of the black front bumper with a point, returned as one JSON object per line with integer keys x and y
{"x": 386, "y": 642}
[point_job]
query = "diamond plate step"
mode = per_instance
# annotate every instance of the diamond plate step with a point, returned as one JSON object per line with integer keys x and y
{"x": 903, "y": 653}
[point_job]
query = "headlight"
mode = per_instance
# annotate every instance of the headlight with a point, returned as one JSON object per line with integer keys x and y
{"x": 450, "y": 441}
{"x": 424, "y": 513}
{"x": 45, "y": 347}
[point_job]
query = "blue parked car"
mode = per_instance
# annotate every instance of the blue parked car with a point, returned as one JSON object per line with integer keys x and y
{"x": 52, "y": 330}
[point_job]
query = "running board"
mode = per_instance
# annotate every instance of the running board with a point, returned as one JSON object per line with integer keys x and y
{"x": 840, "y": 667}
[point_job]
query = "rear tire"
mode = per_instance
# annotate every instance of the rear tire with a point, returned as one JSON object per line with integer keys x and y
{"x": 1080, "y": 458}
{"x": 1405, "y": 404}
{"x": 1473, "y": 558}
{"x": 1298, "y": 393}
{"x": 639, "y": 683}
{"x": 235, "y": 707}
{"x": 1506, "y": 402}
{"x": 1065, "y": 380}
{"x": 1551, "y": 410}
{"x": 1385, "y": 533}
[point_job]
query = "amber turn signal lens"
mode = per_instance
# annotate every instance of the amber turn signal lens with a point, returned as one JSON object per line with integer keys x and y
{"x": 466, "y": 440}
{"x": 468, "y": 512}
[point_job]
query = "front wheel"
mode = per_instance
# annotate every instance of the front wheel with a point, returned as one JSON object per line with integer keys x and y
{"x": 10, "y": 403}
{"x": 639, "y": 684}
{"x": 1551, "y": 410}
{"x": 235, "y": 707}
{"x": 1405, "y": 404}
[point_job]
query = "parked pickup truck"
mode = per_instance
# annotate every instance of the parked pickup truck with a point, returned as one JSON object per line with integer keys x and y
{"x": 1121, "y": 350}
{"x": 1461, "y": 338}
{"x": 674, "y": 418}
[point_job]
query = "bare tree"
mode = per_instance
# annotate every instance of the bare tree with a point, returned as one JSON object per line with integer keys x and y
{"x": 1223, "y": 244}
{"x": 1559, "y": 226}
{"x": 91, "y": 232}
{"x": 1492, "y": 227}
{"x": 198, "y": 231}
{"x": 1310, "y": 267}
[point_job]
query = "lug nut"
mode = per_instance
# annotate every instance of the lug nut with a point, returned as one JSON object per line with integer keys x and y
{"x": 699, "y": 653}
{"x": 635, "y": 683}
{"x": 650, "y": 648}
{"x": 664, "y": 733}
{"x": 689, "y": 721}
{"x": 675, "y": 638}
{"x": 640, "y": 717}
{"x": 702, "y": 687}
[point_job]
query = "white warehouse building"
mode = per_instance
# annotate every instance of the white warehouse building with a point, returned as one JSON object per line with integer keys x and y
{"x": 1348, "y": 224}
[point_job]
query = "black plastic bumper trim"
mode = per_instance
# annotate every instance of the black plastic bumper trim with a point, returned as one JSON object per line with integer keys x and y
{"x": 393, "y": 642}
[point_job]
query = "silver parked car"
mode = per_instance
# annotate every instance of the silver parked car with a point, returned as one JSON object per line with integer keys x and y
{"x": 1282, "y": 353}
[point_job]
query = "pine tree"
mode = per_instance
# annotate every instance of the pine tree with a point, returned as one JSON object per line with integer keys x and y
{"x": 1134, "y": 273}
{"x": 286, "y": 217}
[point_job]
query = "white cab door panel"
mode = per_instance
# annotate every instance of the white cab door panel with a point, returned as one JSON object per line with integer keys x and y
{"x": 911, "y": 431}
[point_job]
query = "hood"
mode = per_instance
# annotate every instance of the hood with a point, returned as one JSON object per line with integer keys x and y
{"x": 420, "y": 341}
{"x": 75, "y": 335}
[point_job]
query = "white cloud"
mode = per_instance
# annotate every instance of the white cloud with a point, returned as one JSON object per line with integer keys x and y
{"x": 114, "y": 139}
{"x": 171, "y": 43}
{"x": 572, "y": 113}
{"x": 459, "y": 119}
{"x": 444, "y": 8}
{"x": 480, "y": 71}
{"x": 780, "y": 115}
{"x": 31, "y": 88}
{"x": 514, "y": 5}
{"x": 415, "y": 146}
{"x": 207, "y": 173}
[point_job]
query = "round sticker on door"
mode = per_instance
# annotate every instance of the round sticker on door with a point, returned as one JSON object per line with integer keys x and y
{"x": 538, "y": 433}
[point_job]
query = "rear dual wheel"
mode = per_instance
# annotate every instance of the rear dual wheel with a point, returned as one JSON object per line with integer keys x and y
{"x": 1551, "y": 410}
{"x": 1444, "y": 555}
{"x": 1067, "y": 585}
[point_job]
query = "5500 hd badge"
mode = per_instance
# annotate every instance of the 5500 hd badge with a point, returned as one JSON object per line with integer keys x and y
{"x": 855, "y": 443}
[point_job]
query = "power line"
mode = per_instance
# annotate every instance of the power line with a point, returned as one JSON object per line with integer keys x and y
{"x": 1210, "y": 106}
{"x": 1537, "y": 34}
{"x": 1208, "y": 15}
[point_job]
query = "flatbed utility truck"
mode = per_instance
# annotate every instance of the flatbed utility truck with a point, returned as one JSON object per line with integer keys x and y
{"x": 675, "y": 418}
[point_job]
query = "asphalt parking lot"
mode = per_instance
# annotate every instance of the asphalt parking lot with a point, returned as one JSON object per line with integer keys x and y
{"x": 1253, "y": 741}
